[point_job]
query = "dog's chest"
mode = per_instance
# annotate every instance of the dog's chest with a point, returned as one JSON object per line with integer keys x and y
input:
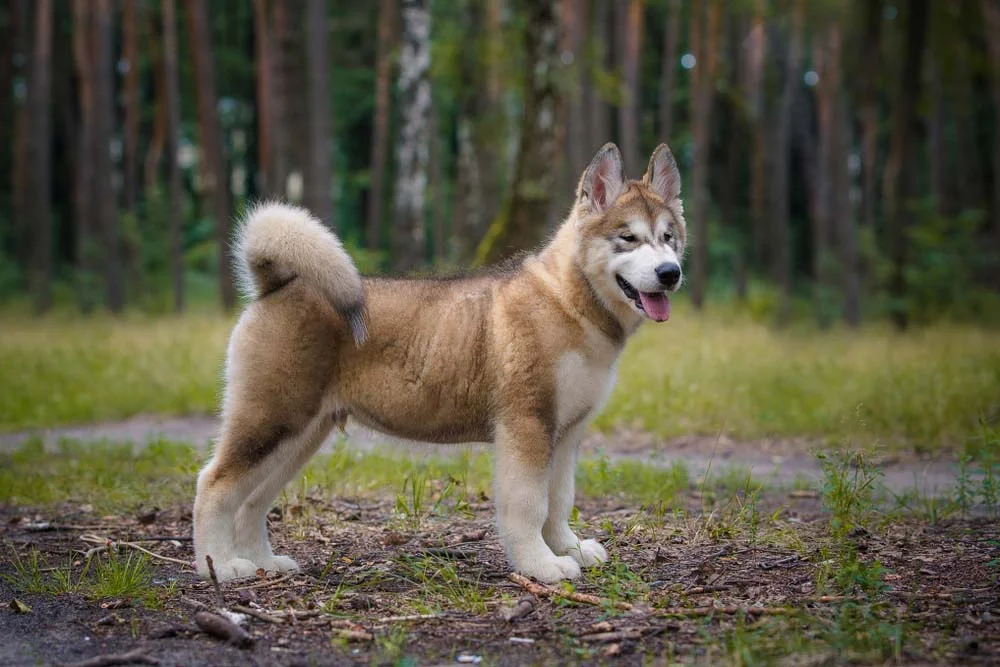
{"x": 583, "y": 385}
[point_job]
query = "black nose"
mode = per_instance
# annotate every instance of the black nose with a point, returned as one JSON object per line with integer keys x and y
{"x": 669, "y": 274}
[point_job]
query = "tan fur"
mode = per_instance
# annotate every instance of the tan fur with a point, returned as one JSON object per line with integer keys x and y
{"x": 522, "y": 358}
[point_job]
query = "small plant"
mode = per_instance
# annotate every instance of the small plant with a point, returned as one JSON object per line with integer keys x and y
{"x": 115, "y": 576}
{"x": 964, "y": 494}
{"x": 849, "y": 485}
{"x": 28, "y": 575}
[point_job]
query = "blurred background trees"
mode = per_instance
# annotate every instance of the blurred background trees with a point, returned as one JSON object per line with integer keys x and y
{"x": 841, "y": 159}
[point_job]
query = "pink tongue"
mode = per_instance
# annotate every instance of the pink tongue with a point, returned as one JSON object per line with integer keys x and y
{"x": 657, "y": 306}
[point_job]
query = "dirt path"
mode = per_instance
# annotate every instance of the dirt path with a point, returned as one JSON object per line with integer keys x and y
{"x": 781, "y": 462}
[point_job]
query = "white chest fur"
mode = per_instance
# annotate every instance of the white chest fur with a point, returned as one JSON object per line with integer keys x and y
{"x": 583, "y": 385}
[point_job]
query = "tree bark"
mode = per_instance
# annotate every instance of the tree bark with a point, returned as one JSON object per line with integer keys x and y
{"x": 87, "y": 250}
{"x": 900, "y": 169}
{"x": 131, "y": 100}
{"x": 574, "y": 20}
{"x": 173, "y": 116}
{"x": 215, "y": 184}
{"x": 40, "y": 100}
{"x": 106, "y": 206}
{"x": 872, "y": 59}
{"x": 781, "y": 200}
{"x": 753, "y": 84}
{"x": 629, "y": 23}
{"x": 521, "y": 222}
{"x": 7, "y": 28}
{"x": 822, "y": 214}
{"x": 21, "y": 155}
{"x": 668, "y": 70}
{"x": 272, "y": 161}
{"x": 319, "y": 174}
{"x": 412, "y": 151}
{"x": 384, "y": 55}
{"x": 704, "y": 36}
{"x": 158, "y": 138}
{"x": 991, "y": 12}
{"x": 282, "y": 84}
{"x": 602, "y": 38}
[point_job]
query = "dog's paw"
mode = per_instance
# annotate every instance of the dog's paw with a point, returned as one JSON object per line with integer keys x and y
{"x": 279, "y": 564}
{"x": 235, "y": 568}
{"x": 554, "y": 569}
{"x": 589, "y": 553}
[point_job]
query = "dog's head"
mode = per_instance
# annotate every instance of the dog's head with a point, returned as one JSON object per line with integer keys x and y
{"x": 631, "y": 234}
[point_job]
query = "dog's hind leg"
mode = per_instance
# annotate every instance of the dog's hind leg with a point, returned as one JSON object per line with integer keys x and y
{"x": 557, "y": 533}
{"x": 250, "y": 527}
{"x": 522, "y": 499}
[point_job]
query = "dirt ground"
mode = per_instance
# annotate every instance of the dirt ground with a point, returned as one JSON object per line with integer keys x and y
{"x": 378, "y": 590}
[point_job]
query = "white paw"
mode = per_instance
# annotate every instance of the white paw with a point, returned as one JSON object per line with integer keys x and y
{"x": 235, "y": 568}
{"x": 553, "y": 569}
{"x": 589, "y": 553}
{"x": 279, "y": 564}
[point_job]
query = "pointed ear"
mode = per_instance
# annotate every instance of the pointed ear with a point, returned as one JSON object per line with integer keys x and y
{"x": 604, "y": 180}
{"x": 662, "y": 176}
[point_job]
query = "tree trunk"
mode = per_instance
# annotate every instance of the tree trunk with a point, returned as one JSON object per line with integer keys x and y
{"x": 822, "y": 214}
{"x": 7, "y": 28}
{"x": 600, "y": 115}
{"x": 629, "y": 23}
{"x": 87, "y": 250}
{"x": 40, "y": 98}
{"x": 272, "y": 159}
{"x": 106, "y": 206}
{"x": 409, "y": 239}
{"x": 574, "y": 19}
{"x": 131, "y": 100}
{"x": 991, "y": 11}
{"x": 753, "y": 83}
{"x": 436, "y": 189}
{"x": 704, "y": 37}
{"x": 871, "y": 59}
{"x": 319, "y": 196}
{"x": 781, "y": 200}
{"x": 520, "y": 224}
{"x": 215, "y": 184}
{"x": 668, "y": 70}
{"x": 900, "y": 169}
{"x": 21, "y": 158}
{"x": 384, "y": 56}
{"x": 173, "y": 116}
{"x": 937, "y": 144}
{"x": 283, "y": 65}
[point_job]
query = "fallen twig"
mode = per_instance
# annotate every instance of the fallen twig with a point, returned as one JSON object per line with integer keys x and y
{"x": 708, "y": 611}
{"x": 133, "y": 656}
{"x": 788, "y": 561}
{"x": 411, "y": 617}
{"x": 707, "y": 589}
{"x": 106, "y": 542}
{"x": 267, "y": 583}
{"x": 259, "y": 615}
{"x": 220, "y": 601}
{"x": 543, "y": 591}
{"x": 223, "y": 628}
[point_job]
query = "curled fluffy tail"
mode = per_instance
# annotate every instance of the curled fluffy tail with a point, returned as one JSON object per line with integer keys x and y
{"x": 277, "y": 243}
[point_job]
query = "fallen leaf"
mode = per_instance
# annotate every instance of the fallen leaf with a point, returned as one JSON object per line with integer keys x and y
{"x": 19, "y": 607}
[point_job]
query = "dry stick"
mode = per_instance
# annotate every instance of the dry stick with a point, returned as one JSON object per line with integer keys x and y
{"x": 107, "y": 541}
{"x": 220, "y": 601}
{"x": 708, "y": 611}
{"x": 250, "y": 611}
{"x": 268, "y": 583}
{"x": 133, "y": 656}
{"x": 223, "y": 628}
{"x": 544, "y": 591}
{"x": 411, "y": 617}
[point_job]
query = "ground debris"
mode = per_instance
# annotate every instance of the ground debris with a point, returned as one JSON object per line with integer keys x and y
{"x": 132, "y": 657}
{"x": 223, "y": 628}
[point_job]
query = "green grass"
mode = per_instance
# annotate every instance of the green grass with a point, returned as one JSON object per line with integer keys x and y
{"x": 719, "y": 371}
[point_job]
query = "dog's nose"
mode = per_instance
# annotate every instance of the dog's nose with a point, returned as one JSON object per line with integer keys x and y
{"x": 669, "y": 274}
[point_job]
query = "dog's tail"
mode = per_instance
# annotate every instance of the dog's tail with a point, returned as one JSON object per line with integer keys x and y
{"x": 276, "y": 244}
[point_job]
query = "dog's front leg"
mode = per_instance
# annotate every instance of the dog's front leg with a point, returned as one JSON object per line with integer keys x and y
{"x": 522, "y": 497}
{"x": 557, "y": 532}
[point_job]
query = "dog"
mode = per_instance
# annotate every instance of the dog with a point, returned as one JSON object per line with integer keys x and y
{"x": 522, "y": 357}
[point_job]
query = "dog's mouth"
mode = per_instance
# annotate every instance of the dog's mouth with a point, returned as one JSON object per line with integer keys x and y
{"x": 655, "y": 305}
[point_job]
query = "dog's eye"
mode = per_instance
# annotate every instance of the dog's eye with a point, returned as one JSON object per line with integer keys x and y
{"x": 667, "y": 237}
{"x": 627, "y": 237}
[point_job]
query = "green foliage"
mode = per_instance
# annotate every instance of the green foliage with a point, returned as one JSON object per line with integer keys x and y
{"x": 850, "y": 484}
{"x": 631, "y": 479}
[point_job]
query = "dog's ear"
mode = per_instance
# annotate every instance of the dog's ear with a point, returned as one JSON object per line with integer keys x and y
{"x": 662, "y": 176}
{"x": 603, "y": 181}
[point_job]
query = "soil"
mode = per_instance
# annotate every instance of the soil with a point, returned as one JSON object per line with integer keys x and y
{"x": 693, "y": 579}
